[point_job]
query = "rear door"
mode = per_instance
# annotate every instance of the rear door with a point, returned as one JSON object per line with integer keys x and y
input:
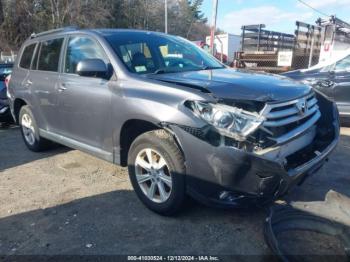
{"x": 342, "y": 85}
{"x": 85, "y": 102}
{"x": 19, "y": 83}
{"x": 43, "y": 78}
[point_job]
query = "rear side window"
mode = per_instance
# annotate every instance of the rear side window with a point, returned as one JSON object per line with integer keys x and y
{"x": 27, "y": 55}
{"x": 81, "y": 48}
{"x": 50, "y": 55}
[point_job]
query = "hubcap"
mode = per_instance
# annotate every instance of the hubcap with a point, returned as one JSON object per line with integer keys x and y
{"x": 153, "y": 175}
{"x": 28, "y": 129}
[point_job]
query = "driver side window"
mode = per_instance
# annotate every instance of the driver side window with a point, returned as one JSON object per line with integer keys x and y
{"x": 81, "y": 48}
{"x": 343, "y": 64}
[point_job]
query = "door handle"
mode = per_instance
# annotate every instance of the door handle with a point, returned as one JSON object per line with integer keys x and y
{"x": 28, "y": 83}
{"x": 61, "y": 87}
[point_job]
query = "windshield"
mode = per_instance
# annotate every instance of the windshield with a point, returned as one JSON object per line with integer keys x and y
{"x": 147, "y": 53}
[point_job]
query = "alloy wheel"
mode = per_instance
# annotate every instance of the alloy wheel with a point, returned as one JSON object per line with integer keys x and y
{"x": 28, "y": 129}
{"x": 153, "y": 175}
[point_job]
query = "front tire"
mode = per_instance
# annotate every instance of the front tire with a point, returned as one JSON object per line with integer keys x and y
{"x": 156, "y": 169}
{"x": 30, "y": 131}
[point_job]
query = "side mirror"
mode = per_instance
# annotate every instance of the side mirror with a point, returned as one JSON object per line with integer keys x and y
{"x": 92, "y": 68}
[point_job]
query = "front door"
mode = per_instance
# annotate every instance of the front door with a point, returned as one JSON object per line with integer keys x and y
{"x": 85, "y": 102}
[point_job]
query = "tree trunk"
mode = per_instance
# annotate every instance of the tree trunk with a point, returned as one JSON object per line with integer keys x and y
{"x": 2, "y": 19}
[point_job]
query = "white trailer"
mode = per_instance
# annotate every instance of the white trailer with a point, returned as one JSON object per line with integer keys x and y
{"x": 336, "y": 39}
{"x": 7, "y": 57}
{"x": 227, "y": 45}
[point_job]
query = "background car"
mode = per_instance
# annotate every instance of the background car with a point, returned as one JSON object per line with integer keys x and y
{"x": 5, "y": 114}
{"x": 331, "y": 78}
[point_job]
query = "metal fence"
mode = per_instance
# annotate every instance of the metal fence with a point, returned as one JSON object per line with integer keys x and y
{"x": 276, "y": 52}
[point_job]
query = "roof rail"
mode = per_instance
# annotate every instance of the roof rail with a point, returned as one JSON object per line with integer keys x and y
{"x": 68, "y": 28}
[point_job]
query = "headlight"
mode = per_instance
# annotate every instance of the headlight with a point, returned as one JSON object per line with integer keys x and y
{"x": 229, "y": 121}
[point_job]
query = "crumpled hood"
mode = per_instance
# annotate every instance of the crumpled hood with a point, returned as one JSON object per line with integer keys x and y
{"x": 238, "y": 84}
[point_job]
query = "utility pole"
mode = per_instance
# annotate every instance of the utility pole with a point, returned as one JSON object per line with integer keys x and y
{"x": 213, "y": 25}
{"x": 166, "y": 16}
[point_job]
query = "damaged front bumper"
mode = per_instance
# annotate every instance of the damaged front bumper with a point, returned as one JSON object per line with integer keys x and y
{"x": 223, "y": 175}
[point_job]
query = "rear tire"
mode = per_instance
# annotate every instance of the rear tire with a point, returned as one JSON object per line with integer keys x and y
{"x": 157, "y": 169}
{"x": 30, "y": 131}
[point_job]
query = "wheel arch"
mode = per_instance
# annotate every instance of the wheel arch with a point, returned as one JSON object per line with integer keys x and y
{"x": 133, "y": 128}
{"x": 17, "y": 105}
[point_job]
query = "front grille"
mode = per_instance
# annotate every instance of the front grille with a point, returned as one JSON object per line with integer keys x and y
{"x": 285, "y": 121}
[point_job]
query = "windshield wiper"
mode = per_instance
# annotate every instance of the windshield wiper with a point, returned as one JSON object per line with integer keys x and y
{"x": 159, "y": 71}
{"x": 163, "y": 70}
{"x": 211, "y": 67}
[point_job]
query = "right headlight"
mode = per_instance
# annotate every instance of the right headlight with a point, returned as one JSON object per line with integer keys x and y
{"x": 228, "y": 120}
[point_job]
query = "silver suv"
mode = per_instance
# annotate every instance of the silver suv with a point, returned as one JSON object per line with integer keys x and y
{"x": 182, "y": 122}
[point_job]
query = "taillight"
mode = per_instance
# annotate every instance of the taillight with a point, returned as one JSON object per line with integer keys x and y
{"x": 7, "y": 81}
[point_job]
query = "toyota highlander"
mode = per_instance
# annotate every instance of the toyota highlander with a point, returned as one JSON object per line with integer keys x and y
{"x": 182, "y": 122}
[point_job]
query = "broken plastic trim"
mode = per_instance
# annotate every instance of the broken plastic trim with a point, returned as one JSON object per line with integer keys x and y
{"x": 215, "y": 114}
{"x": 283, "y": 218}
{"x": 207, "y": 133}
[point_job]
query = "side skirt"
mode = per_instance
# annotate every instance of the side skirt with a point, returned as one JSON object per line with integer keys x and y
{"x": 97, "y": 152}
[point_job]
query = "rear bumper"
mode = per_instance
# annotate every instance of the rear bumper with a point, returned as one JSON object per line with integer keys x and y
{"x": 227, "y": 176}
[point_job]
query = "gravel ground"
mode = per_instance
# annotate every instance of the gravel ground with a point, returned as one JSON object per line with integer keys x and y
{"x": 67, "y": 202}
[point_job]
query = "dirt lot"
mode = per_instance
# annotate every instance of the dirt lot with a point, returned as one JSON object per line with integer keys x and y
{"x": 66, "y": 202}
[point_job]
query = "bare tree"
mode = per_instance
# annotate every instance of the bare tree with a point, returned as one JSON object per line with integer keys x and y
{"x": 1, "y": 13}
{"x": 20, "y": 18}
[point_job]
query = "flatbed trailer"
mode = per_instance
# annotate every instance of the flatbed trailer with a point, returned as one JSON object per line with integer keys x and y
{"x": 261, "y": 49}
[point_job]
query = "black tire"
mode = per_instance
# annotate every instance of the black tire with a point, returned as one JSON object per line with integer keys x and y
{"x": 39, "y": 144}
{"x": 162, "y": 142}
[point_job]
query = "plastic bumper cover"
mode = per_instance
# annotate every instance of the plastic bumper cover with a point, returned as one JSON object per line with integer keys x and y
{"x": 227, "y": 176}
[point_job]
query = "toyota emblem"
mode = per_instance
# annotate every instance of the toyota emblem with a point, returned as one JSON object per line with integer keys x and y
{"x": 301, "y": 105}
